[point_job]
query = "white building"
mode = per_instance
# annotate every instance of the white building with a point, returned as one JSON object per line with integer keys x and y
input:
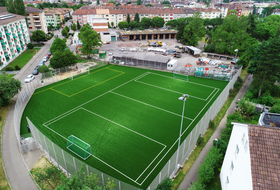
{"x": 252, "y": 158}
{"x": 14, "y": 37}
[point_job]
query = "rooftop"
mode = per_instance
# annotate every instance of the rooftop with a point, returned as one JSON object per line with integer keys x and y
{"x": 139, "y": 32}
{"x": 270, "y": 119}
{"x": 147, "y": 56}
{"x": 264, "y": 145}
{"x": 6, "y": 18}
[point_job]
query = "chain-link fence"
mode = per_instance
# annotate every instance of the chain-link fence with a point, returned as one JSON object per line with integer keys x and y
{"x": 170, "y": 169}
{"x": 70, "y": 164}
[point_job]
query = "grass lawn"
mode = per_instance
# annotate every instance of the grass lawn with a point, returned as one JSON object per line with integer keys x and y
{"x": 4, "y": 185}
{"x": 23, "y": 58}
{"x": 130, "y": 117}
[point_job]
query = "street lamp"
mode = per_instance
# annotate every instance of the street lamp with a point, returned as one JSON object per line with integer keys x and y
{"x": 234, "y": 62}
{"x": 182, "y": 98}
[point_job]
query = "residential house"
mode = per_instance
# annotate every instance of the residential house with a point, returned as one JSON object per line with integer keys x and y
{"x": 53, "y": 17}
{"x": 36, "y": 20}
{"x": 14, "y": 37}
{"x": 65, "y": 12}
{"x": 252, "y": 158}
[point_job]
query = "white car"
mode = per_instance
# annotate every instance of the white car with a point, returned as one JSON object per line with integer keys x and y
{"x": 110, "y": 53}
{"x": 29, "y": 78}
{"x": 45, "y": 59}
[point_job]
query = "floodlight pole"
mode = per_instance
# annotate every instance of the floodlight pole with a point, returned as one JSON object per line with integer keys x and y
{"x": 183, "y": 98}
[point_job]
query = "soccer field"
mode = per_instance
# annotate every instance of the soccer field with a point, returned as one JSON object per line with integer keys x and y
{"x": 129, "y": 116}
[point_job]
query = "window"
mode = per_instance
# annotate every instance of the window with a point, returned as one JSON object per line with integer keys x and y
{"x": 28, "y": 19}
{"x": 30, "y": 27}
{"x": 146, "y": 14}
{"x": 124, "y": 15}
{"x": 243, "y": 138}
{"x": 106, "y": 15}
{"x": 79, "y": 15}
{"x": 227, "y": 180}
{"x": 231, "y": 166}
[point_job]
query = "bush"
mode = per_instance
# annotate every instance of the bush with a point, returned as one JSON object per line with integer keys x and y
{"x": 0, "y": 118}
{"x": 197, "y": 186}
{"x": 210, "y": 48}
{"x": 10, "y": 68}
{"x": 141, "y": 28}
{"x": 30, "y": 46}
{"x": 43, "y": 69}
{"x": 17, "y": 68}
{"x": 200, "y": 140}
{"x": 165, "y": 184}
{"x": 211, "y": 124}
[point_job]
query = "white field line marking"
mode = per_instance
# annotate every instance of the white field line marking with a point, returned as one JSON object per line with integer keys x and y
{"x": 178, "y": 138}
{"x": 150, "y": 105}
{"x": 133, "y": 132}
{"x": 122, "y": 126}
{"x": 144, "y": 74}
{"x": 94, "y": 155}
{"x": 181, "y": 93}
{"x": 211, "y": 93}
{"x": 183, "y": 80}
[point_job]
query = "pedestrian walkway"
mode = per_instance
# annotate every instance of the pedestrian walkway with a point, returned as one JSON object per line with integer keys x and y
{"x": 192, "y": 174}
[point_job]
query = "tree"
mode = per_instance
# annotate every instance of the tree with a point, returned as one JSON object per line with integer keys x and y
{"x": 2, "y": 3}
{"x": 30, "y": 5}
{"x": 269, "y": 28}
{"x": 49, "y": 175}
{"x": 165, "y": 2}
{"x": 109, "y": 26}
{"x": 194, "y": 31}
{"x": 148, "y": 5}
{"x": 231, "y": 35}
{"x": 97, "y": 2}
{"x": 62, "y": 59}
{"x": 252, "y": 25}
{"x": 50, "y": 27}
{"x": 112, "y": 24}
{"x": 112, "y": 2}
{"x": 197, "y": 186}
{"x": 139, "y": 2}
{"x": 266, "y": 64}
{"x": 67, "y": 28}
{"x": 10, "y": 6}
{"x": 78, "y": 25}
{"x": 8, "y": 88}
{"x": 275, "y": 108}
{"x": 136, "y": 18}
{"x": 128, "y": 18}
{"x": 39, "y": 6}
{"x": 166, "y": 184}
{"x": 30, "y": 46}
{"x": 38, "y": 35}
{"x": 20, "y": 8}
{"x": 81, "y": 2}
{"x": 133, "y": 24}
{"x": 90, "y": 39}
{"x": 158, "y": 22}
{"x": 254, "y": 10}
{"x": 64, "y": 32}
{"x": 58, "y": 44}
{"x": 123, "y": 24}
{"x": 146, "y": 22}
{"x": 74, "y": 27}
{"x": 82, "y": 181}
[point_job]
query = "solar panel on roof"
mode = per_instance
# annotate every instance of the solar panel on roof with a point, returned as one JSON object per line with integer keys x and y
{"x": 3, "y": 18}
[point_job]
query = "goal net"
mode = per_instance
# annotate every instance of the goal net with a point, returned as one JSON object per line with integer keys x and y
{"x": 180, "y": 76}
{"x": 79, "y": 72}
{"x": 78, "y": 147}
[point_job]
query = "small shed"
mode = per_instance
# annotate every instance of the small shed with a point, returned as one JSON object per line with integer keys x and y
{"x": 193, "y": 50}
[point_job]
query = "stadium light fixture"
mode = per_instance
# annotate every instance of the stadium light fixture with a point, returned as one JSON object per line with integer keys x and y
{"x": 183, "y": 98}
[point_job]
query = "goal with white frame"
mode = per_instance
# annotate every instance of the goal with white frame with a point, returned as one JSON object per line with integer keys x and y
{"x": 79, "y": 72}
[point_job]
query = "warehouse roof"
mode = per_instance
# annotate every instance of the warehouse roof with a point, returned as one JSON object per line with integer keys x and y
{"x": 146, "y": 56}
{"x": 148, "y": 32}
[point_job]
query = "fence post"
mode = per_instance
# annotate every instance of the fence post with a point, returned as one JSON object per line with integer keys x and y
{"x": 74, "y": 164}
{"x": 87, "y": 169}
{"x": 55, "y": 154}
{"x": 64, "y": 162}
{"x": 168, "y": 171}
{"x": 47, "y": 148}
{"x": 102, "y": 179}
{"x": 120, "y": 185}
{"x": 159, "y": 177}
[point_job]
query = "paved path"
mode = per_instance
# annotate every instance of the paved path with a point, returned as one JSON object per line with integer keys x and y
{"x": 192, "y": 174}
{"x": 16, "y": 164}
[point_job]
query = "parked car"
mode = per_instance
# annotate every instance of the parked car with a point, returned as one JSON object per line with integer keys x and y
{"x": 36, "y": 71}
{"x": 41, "y": 63}
{"x": 56, "y": 36}
{"x": 45, "y": 59}
{"x": 110, "y": 53}
{"x": 49, "y": 53}
{"x": 45, "y": 40}
{"x": 29, "y": 78}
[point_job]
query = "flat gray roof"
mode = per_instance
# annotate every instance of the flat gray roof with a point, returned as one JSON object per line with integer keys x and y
{"x": 146, "y": 56}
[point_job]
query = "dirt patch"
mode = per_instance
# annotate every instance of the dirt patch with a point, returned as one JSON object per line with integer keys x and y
{"x": 41, "y": 163}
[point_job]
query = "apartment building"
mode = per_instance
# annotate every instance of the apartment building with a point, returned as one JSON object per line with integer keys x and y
{"x": 14, "y": 37}
{"x": 209, "y": 13}
{"x": 65, "y": 12}
{"x": 36, "y": 20}
{"x": 53, "y": 17}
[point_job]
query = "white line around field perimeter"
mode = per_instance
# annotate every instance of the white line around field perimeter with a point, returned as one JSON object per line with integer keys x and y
{"x": 183, "y": 80}
{"x": 151, "y": 105}
{"x": 178, "y": 138}
{"x": 81, "y": 108}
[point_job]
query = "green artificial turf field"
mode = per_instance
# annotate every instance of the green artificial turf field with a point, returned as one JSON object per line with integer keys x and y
{"x": 129, "y": 116}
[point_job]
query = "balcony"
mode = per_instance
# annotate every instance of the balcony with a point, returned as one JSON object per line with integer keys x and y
{"x": 36, "y": 16}
{"x": 38, "y": 24}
